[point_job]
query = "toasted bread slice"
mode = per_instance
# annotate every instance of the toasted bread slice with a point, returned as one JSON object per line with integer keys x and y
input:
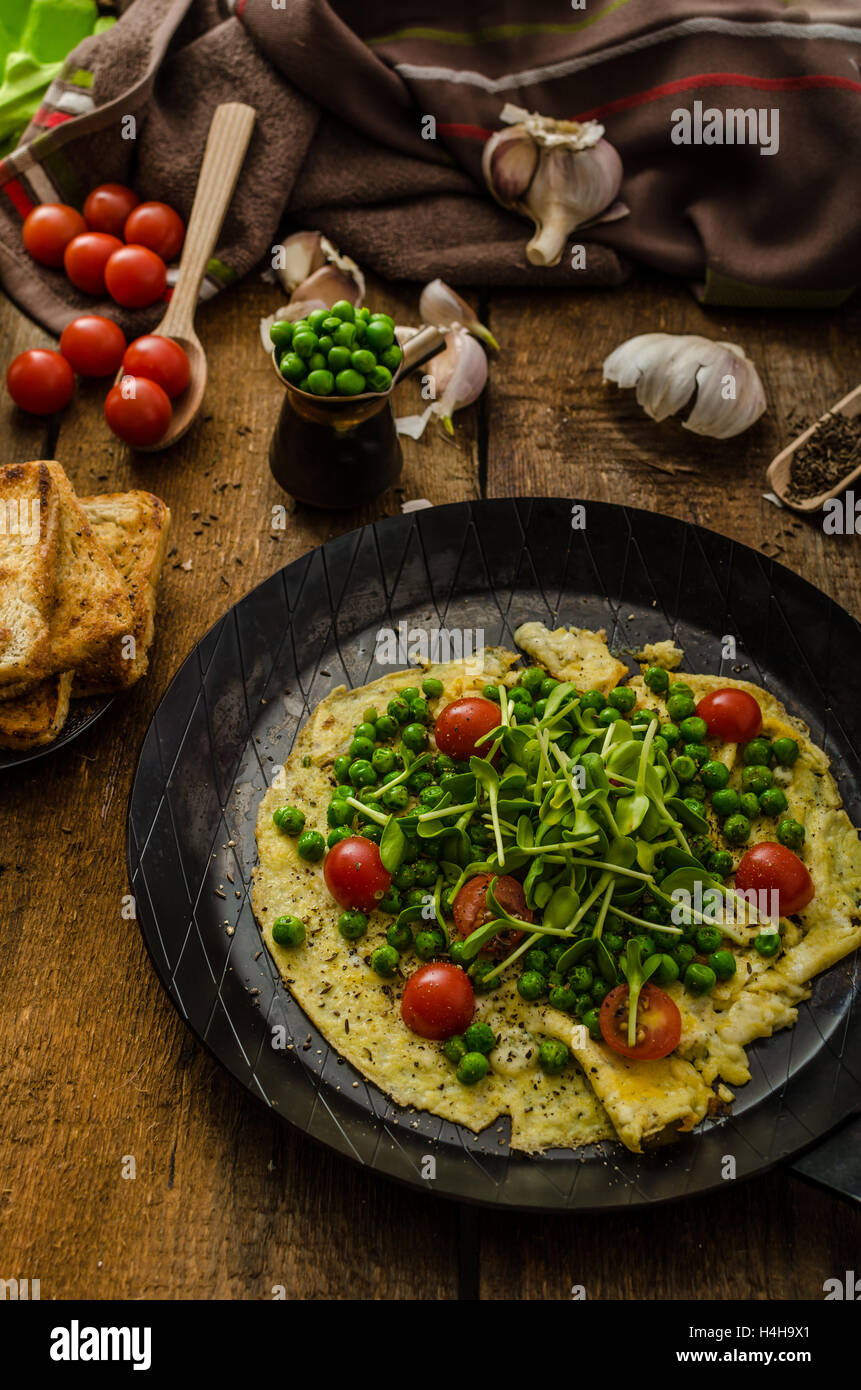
{"x": 38, "y": 716}
{"x": 30, "y": 509}
{"x": 133, "y": 528}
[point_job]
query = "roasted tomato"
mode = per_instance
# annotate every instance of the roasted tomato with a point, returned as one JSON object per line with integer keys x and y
{"x": 461, "y": 723}
{"x": 471, "y": 910}
{"x": 438, "y": 1000}
{"x": 354, "y": 873}
{"x": 768, "y": 867}
{"x": 659, "y": 1023}
{"x": 731, "y": 714}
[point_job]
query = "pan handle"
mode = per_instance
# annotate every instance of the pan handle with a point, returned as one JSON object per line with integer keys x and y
{"x": 835, "y": 1163}
{"x": 422, "y": 345}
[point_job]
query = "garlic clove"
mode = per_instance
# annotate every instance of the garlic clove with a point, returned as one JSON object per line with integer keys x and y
{"x": 443, "y": 307}
{"x": 459, "y": 373}
{"x": 508, "y": 163}
{"x": 328, "y": 284}
{"x": 301, "y": 254}
{"x": 666, "y": 369}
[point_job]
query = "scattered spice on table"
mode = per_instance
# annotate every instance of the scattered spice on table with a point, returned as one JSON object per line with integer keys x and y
{"x": 831, "y": 452}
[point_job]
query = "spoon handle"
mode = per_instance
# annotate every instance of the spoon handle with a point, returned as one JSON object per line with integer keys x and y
{"x": 229, "y": 134}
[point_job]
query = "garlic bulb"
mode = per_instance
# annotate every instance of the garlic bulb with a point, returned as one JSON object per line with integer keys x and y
{"x": 459, "y": 375}
{"x": 666, "y": 369}
{"x": 562, "y": 174}
{"x": 441, "y": 306}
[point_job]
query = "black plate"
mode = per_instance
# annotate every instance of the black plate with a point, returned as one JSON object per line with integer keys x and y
{"x": 82, "y": 713}
{"x": 229, "y": 719}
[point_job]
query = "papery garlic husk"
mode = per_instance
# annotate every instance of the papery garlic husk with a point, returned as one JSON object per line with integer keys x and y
{"x": 305, "y": 253}
{"x": 666, "y": 369}
{"x": 459, "y": 375}
{"x": 443, "y": 307}
{"x": 561, "y": 174}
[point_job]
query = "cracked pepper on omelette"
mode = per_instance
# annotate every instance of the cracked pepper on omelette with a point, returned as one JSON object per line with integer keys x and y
{"x": 540, "y": 892}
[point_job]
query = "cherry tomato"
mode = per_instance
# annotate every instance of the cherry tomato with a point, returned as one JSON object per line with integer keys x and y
{"x": 48, "y": 229}
{"x": 157, "y": 226}
{"x": 138, "y": 411}
{"x": 768, "y": 867}
{"x": 355, "y": 875}
{"x": 85, "y": 260}
{"x": 40, "y": 381}
{"x": 658, "y": 1021}
{"x": 470, "y": 910}
{"x": 461, "y": 723}
{"x": 161, "y": 359}
{"x": 438, "y": 1000}
{"x": 93, "y": 345}
{"x": 730, "y": 714}
{"x": 108, "y": 206}
{"x": 135, "y": 277}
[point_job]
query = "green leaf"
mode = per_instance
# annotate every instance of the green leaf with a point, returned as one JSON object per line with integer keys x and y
{"x": 689, "y": 818}
{"x": 525, "y": 837}
{"x": 392, "y": 845}
{"x": 561, "y": 908}
{"x": 577, "y": 951}
{"x": 605, "y": 962}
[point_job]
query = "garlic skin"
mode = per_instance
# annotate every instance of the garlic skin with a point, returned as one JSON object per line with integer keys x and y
{"x": 307, "y": 253}
{"x": 561, "y": 174}
{"x": 666, "y": 369}
{"x": 443, "y": 307}
{"x": 459, "y": 374}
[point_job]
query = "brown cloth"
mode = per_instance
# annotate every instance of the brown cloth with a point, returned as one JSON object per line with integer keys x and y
{"x": 344, "y": 90}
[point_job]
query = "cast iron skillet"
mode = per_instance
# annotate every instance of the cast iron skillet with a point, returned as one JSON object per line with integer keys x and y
{"x": 228, "y": 721}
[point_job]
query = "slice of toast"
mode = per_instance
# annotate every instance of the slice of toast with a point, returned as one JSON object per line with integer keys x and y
{"x": 38, "y": 716}
{"x": 133, "y": 529}
{"x": 30, "y": 511}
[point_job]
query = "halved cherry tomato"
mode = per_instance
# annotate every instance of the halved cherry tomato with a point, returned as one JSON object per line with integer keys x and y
{"x": 161, "y": 359}
{"x": 354, "y": 873}
{"x": 40, "y": 381}
{"x": 135, "y": 277}
{"x": 768, "y": 867}
{"x": 48, "y": 229}
{"x": 438, "y": 1000}
{"x": 86, "y": 257}
{"x": 731, "y": 714}
{"x": 461, "y": 723}
{"x": 157, "y": 226}
{"x": 108, "y": 207}
{"x": 93, "y": 345}
{"x": 659, "y": 1023}
{"x": 138, "y": 411}
{"x": 470, "y": 910}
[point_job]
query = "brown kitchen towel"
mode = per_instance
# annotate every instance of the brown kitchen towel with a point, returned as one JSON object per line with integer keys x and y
{"x": 372, "y": 119}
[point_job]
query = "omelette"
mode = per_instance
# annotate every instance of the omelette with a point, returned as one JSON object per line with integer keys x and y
{"x": 576, "y": 994}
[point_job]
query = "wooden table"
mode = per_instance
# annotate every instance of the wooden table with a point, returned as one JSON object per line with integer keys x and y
{"x": 95, "y": 1065}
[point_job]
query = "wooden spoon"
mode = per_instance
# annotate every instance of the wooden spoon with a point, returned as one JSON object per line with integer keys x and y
{"x": 229, "y": 134}
{"x": 779, "y": 468}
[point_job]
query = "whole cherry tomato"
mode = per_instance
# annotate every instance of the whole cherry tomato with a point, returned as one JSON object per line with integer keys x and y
{"x": 93, "y": 345}
{"x": 135, "y": 277}
{"x": 108, "y": 207}
{"x": 770, "y": 867}
{"x": 40, "y": 381}
{"x": 161, "y": 359}
{"x": 731, "y": 714}
{"x": 354, "y": 873}
{"x": 438, "y": 1000}
{"x": 461, "y": 723}
{"x": 86, "y": 257}
{"x": 157, "y": 226}
{"x": 48, "y": 229}
{"x": 138, "y": 411}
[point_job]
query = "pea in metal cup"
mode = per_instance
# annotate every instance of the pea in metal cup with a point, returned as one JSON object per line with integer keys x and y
{"x": 339, "y": 452}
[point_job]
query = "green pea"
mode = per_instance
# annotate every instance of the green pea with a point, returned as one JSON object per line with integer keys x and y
{"x": 344, "y": 310}
{"x": 382, "y": 760}
{"x": 552, "y": 1056}
{"x": 339, "y": 813}
{"x": 785, "y": 751}
{"x": 701, "y": 846}
{"x": 772, "y": 802}
{"x": 399, "y": 709}
{"x": 757, "y": 779}
{"x": 660, "y": 744}
{"x": 680, "y": 688}
{"x": 330, "y": 323}
{"x": 288, "y": 931}
{"x": 670, "y": 734}
{"x": 454, "y": 1048}
{"x": 339, "y": 358}
{"x": 580, "y": 978}
{"x": 531, "y": 985}
{"x": 697, "y": 792}
{"x": 380, "y": 379}
{"x": 517, "y": 695}
{"x": 592, "y": 1020}
{"x": 311, "y": 846}
{"x": 749, "y": 805}
{"x": 289, "y": 819}
{"x": 758, "y": 751}
{"x": 723, "y": 964}
{"x": 540, "y": 708}
{"x": 613, "y": 942}
{"x": 385, "y": 961}
{"x": 562, "y": 998}
{"x": 491, "y": 692}
{"x": 305, "y": 343}
{"x": 391, "y": 357}
{"x": 656, "y": 678}
{"x": 281, "y": 333}
{"x": 429, "y": 943}
{"x": 415, "y": 737}
{"x": 352, "y": 924}
{"x": 720, "y": 862}
{"x": 530, "y": 678}
{"x": 536, "y": 959}
{"x": 621, "y": 698}
{"x": 379, "y": 335}
{"x": 737, "y": 829}
{"x": 608, "y": 716}
{"x": 362, "y": 774}
{"x": 320, "y": 381}
{"x": 387, "y": 727}
{"x": 426, "y": 873}
{"x": 680, "y": 707}
{"x": 341, "y": 832}
{"x": 361, "y": 747}
{"x": 391, "y": 902}
{"x": 432, "y": 687}
{"x": 591, "y": 699}
{"x": 317, "y": 318}
{"x": 456, "y": 954}
{"x": 479, "y": 1037}
{"x": 667, "y": 970}
{"x": 683, "y": 954}
{"x": 415, "y": 898}
{"x": 791, "y": 833}
{"x": 420, "y": 710}
{"x": 473, "y": 1066}
{"x": 325, "y": 343}
{"x": 478, "y": 972}
{"x": 395, "y": 798}
{"x": 404, "y": 876}
{"x": 685, "y": 768}
{"x": 698, "y": 751}
{"x": 430, "y": 796}
{"x": 715, "y": 774}
{"x": 725, "y": 802}
{"x": 767, "y": 943}
{"x": 646, "y": 944}
{"x": 708, "y": 939}
{"x": 363, "y": 361}
{"x": 700, "y": 979}
{"x": 342, "y": 766}
{"x": 349, "y": 382}
{"x": 292, "y": 366}
{"x": 693, "y": 729}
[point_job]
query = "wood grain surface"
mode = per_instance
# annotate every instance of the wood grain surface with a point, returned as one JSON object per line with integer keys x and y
{"x": 95, "y": 1065}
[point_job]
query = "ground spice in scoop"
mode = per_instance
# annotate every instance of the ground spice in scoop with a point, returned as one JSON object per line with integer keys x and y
{"x": 831, "y": 452}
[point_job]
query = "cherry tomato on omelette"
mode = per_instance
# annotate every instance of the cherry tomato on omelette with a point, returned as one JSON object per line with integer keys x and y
{"x": 461, "y": 723}
{"x": 438, "y": 1000}
{"x": 135, "y": 277}
{"x": 161, "y": 359}
{"x": 108, "y": 207}
{"x": 86, "y": 257}
{"x": 470, "y": 910}
{"x": 138, "y": 411}
{"x": 48, "y": 229}
{"x": 768, "y": 867}
{"x": 659, "y": 1023}
{"x": 157, "y": 226}
{"x": 354, "y": 873}
{"x": 732, "y": 715}
{"x": 40, "y": 381}
{"x": 93, "y": 345}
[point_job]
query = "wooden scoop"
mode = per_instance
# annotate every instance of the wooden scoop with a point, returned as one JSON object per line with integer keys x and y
{"x": 779, "y": 468}
{"x": 229, "y": 134}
